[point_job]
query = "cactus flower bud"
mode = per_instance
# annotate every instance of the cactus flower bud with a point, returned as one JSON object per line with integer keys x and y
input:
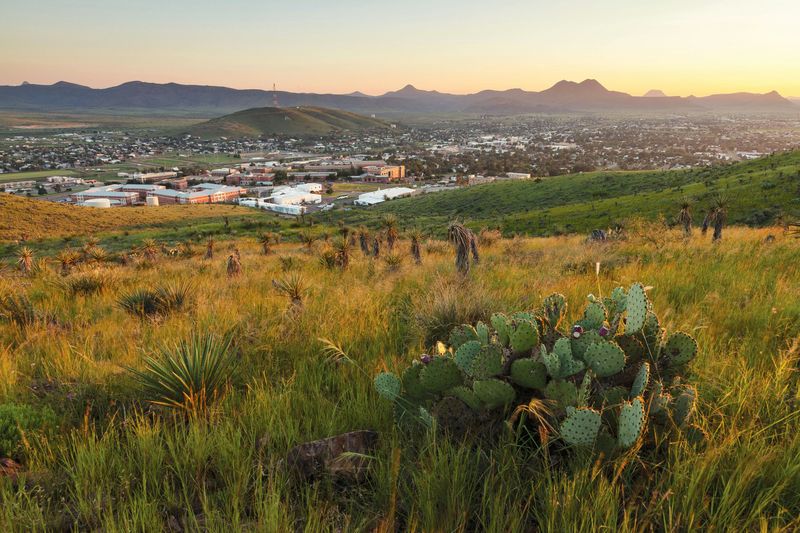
{"x": 577, "y": 330}
{"x": 426, "y": 359}
{"x": 604, "y": 331}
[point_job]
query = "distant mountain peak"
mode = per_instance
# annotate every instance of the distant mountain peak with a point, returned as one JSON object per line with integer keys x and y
{"x": 586, "y": 86}
{"x": 655, "y": 93}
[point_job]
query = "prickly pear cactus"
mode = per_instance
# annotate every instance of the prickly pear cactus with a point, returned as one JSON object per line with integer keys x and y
{"x": 593, "y": 376}
{"x": 631, "y": 423}
{"x": 605, "y": 358}
{"x": 636, "y": 305}
{"x": 581, "y": 426}
{"x": 494, "y": 393}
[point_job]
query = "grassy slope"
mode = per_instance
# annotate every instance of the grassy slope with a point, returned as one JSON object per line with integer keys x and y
{"x": 111, "y": 468}
{"x": 270, "y": 121}
{"x": 37, "y": 219}
{"x": 757, "y": 191}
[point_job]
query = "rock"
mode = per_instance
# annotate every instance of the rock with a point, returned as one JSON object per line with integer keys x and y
{"x": 9, "y": 468}
{"x": 340, "y": 456}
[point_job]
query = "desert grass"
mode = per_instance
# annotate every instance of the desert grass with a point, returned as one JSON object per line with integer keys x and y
{"x": 117, "y": 463}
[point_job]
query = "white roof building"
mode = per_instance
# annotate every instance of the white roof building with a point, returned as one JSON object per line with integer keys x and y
{"x": 377, "y": 197}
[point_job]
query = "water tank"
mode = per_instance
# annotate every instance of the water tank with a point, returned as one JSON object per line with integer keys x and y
{"x": 152, "y": 201}
{"x": 103, "y": 203}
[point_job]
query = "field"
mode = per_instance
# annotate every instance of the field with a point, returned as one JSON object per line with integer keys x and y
{"x": 112, "y": 462}
{"x": 759, "y": 192}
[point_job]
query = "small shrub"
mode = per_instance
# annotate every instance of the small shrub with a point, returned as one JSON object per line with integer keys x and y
{"x": 447, "y": 305}
{"x": 19, "y": 423}
{"x": 87, "y": 283}
{"x": 17, "y": 309}
{"x": 289, "y": 263}
{"x": 393, "y": 262}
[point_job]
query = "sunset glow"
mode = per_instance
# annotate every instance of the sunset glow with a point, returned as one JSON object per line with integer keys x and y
{"x": 679, "y": 46}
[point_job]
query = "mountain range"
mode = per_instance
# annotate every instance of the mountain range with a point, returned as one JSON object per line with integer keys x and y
{"x": 565, "y": 96}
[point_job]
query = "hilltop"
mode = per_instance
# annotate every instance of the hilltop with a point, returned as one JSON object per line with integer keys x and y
{"x": 284, "y": 121}
{"x": 757, "y": 192}
{"x": 38, "y": 219}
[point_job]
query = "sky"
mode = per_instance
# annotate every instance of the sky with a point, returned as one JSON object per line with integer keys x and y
{"x": 679, "y": 46}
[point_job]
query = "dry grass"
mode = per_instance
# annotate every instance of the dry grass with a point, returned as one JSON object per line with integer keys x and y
{"x": 115, "y": 466}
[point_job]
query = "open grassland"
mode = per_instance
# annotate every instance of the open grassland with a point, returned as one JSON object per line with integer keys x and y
{"x": 113, "y": 463}
{"x": 22, "y": 218}
{"x": 758, "y": 192}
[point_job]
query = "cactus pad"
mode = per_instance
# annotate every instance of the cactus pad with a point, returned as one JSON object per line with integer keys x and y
{"x": 494, "y": 393}
{"x": 487, "y": 363}
{"x": 580, "y": 344}
{"x": 461, "y": 334}
{"x": 564, "y": 392}
{"x": 568, "y": 365}
{"x": 483, "y": 332}
{"x": 641, "y": 380}
{"x": 453, "y": 416}
{"x": 466, "y": 395}
{"x": 605, "y": 358}
{"x": 466, "y": 354}
{"x": 593, "y": 316}
{"x": 439, "y": 375}
{"x": 388, "y": 385}
{"x": 411, "y": 382}
{"x": 680, "y": 348}
{"x": 524, "y": 336}
{"x": 581, "y": 426}
{"x": 631, "y": 423}
{"x": 633, "y": 348}
{"x": 614, "y": 396}
{"x": 584, "y": 390}
{"x": 500, "y": 323}
{"x": 683, "y": 406}
{"x": 551, "y": 362}
{"x": 637, "y": 306}
{"x": 529, "y": 373}
{"x": 554, "y": 308}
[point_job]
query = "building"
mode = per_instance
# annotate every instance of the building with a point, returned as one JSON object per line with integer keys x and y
{"x": 142, "y": 189}
{"x": 179, "y": 184}
{"x": 379, "y": 196}
{"x": 204, "y": 193}
{"x": 387, "y": 172}
{"x": 518, "y": 175}
{"x": 294, "y": 196}
{"x": 152, "y": 177}
{"x": 113, "y": 193}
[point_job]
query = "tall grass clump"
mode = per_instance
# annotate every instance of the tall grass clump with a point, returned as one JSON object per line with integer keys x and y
{"x": 191, "y": 376}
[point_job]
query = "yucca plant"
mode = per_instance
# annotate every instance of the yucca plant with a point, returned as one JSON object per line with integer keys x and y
{"x": 210, "y": 249}
{"x": 376, "y": 247}
{"x": 363, "y": 239}
{"x": 463, "y": 241}
{"x": 390, "y": 227}
{"x": 158, "y": 302}
{"x": 308, "y": 239}
{"x": 415, "y": 236}
{"x": 341, "y": 249}
{"x": 97, "y": 254}
{"x": 191, "y": 376}
{"x": 288, "y": 263}
{"x": 719, "y": 213}
{"x": 327, "y": 258}
{"x": 149, "y": 249}
{"x": 25, "y": 260}
{"x": 393, "y": 262}
{"x": 292, "y": 286}
{"x": 267, "y": 239}
{"x": 66, "y": 260}
{"x": 685, "y": 217}
{"x": 234, "y": 264}
{"x": 86, "y": 284}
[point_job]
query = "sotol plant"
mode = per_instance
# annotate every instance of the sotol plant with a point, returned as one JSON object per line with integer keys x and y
{"x": 611, "y": 380}
{"x": 189, "y": 377}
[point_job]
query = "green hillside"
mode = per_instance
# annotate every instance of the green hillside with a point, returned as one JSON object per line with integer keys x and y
{"x": 284, "y": 120}
{"x": 758, "y": 193}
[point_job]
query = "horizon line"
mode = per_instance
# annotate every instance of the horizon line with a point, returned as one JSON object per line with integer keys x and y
{"x": 407, "y": 85}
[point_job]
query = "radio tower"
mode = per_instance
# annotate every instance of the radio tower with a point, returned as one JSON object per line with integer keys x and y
{"x": 274, "y": 96}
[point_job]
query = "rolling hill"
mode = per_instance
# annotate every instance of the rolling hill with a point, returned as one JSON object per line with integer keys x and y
{"x": 758, "y": 192}
{"x": 284, "y": 121}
